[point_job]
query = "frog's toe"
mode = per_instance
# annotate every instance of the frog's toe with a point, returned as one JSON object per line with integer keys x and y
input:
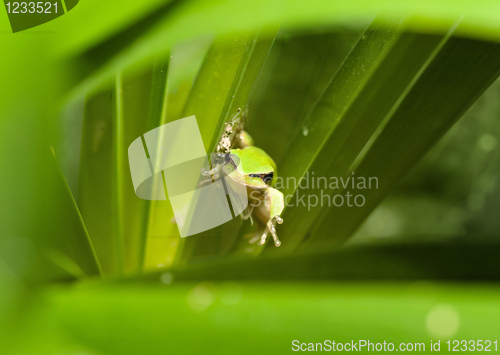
{"x": 269, "y": 228}
{"x": 263, "y": 237}
{"x": 272, "y": 229}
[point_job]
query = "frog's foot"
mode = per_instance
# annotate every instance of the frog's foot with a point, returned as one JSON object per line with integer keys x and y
{"x": 271, "y": 228}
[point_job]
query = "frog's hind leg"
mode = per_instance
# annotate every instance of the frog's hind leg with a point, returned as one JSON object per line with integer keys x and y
{"x": 269, "y": 213}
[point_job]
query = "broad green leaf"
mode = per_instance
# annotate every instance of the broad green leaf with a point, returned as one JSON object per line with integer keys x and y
{"x": 143, "y": 108}
{"x": 97, "y": 183}
{"x": 156, "y": 236}
{"x": 157, "y": 27}
{"x": 61, "y": 248}
{"x": 215, "y": 318}
{"x": 140, "y": 101}
{"x": 298, "y": 70}
{"x": 79, "y": 258}
{"x": 24, "y": 314}
{"x": 458, "y": 75}
{"x": 49, "y": 247}
{"x": 362, "y": 92}
{"x": 453, "y": 259}
{"x": 109, "y": 18}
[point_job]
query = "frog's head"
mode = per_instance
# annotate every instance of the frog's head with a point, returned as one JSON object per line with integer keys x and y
{"x": 252, "y": 166}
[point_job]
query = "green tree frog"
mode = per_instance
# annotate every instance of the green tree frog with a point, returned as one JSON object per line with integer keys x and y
{"x": 252, "y": 167}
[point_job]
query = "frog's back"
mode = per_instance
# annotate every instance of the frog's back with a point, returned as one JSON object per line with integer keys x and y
{"x": 255, "y": 160}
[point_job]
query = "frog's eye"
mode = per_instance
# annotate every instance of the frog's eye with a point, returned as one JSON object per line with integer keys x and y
{"x": 268, "y": 178}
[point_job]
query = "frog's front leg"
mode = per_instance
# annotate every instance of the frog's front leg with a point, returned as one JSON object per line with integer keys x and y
{"x": 270, "y": 214}
{"x": 247, "y": 213}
